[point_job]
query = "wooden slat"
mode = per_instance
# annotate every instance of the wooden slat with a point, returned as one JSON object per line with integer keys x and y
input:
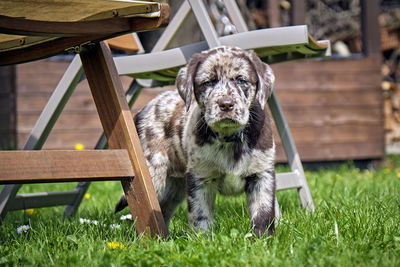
{"x": 72, "y": 119}
{"x": 66, "y": 139}
{"x": 64, "y": 166}
{"x": 353, "y": 65}
{"x": 326, "y": 134}
{"x": 73, "y": 10}
{"x": 328, "y": 98}
{"x": 40, "y": 50}
{"x": 124, "y": 42}
{"x": 30, "y": 79}
{"x": 120, "y": 130}
{"x": 332, "y": 115}
{"x": 19, "y": 26}
{"x": 317, "y": 151}
{"x": 337, "y": 81}
{"x": 33, "y": 102}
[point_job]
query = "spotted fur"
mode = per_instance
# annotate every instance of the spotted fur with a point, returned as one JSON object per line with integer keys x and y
{"x": 212, "y": 135}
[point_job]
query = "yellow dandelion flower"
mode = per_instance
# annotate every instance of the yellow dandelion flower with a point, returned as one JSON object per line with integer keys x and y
{"x": 79, "y": 146}
{"x": 115, "y": 245}
{"x": 398, "y": 174}
{"x": 87, "y": 196}
{"x": 386, "y": 171}
{"x": 30, "y": 211}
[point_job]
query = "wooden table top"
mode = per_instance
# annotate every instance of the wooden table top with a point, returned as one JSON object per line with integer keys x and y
{"x": 32, "y": 29}
{"x": 74, "y": 10}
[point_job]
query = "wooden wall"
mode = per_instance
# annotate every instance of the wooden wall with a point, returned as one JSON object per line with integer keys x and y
{"x": 334, "y": 108}
{"x": 78, "y": 123}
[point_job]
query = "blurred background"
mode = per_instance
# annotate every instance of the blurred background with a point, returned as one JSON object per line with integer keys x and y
{"x": 346, "y": 107}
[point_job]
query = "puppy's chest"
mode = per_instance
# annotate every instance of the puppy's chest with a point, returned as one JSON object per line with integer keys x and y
{"x": 217, "y": 165}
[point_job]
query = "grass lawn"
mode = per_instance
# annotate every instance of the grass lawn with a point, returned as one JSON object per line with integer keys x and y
{"x": 356, "y": 222}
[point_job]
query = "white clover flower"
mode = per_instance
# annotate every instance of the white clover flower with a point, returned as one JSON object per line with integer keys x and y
{"x": 96, "y": 222}
{"x": 23, "y": 229}
{"x": 83, "y": 220}
{"x": 248, "y": 235}
{"x": 126, "y": 217}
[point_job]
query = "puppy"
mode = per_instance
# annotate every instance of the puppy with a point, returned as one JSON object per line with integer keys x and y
{"x": 212, "y": 136}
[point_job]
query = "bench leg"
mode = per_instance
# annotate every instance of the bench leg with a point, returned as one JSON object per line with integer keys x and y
{"x": 120, "y": 130}
{"x": 82, "y": 187}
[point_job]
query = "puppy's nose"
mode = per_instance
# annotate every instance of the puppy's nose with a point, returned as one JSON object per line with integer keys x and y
{"x": 226, "y": 104}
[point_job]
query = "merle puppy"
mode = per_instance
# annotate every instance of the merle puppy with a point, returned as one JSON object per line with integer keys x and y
{"x": 212, "y": 136}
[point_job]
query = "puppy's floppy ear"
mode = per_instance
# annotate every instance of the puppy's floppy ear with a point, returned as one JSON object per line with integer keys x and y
{"x": 185, "y": 79}
{"x": 266, "y": 79}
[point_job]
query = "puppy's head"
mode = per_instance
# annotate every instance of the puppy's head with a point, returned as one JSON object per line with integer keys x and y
{"x": 225, "y": 82}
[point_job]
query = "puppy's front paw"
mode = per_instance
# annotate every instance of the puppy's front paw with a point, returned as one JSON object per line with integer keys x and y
{"x": 263, "y": 223}
{"x": 200, "y": 223}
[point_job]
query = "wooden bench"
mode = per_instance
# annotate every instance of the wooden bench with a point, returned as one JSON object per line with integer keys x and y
{"x": 31, "y": 30}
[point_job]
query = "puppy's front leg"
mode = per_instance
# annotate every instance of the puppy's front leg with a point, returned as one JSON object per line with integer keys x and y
{"x": 201, "y": 198}
{"x": 260, "y": 192}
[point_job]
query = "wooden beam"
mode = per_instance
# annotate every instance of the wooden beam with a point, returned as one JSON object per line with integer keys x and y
{"x": 370, "y": 31}
{"x": 21, "y": 26}
{"x": 51, "y": 166}
{"x": 120, "y": 130}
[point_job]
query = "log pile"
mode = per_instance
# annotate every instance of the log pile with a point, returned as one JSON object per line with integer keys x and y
{"x": 391, "y": 94}
{"x": 390, "y": 44}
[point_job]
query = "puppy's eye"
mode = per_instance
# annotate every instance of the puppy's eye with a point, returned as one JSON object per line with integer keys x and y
{"x": 209, "y": 83}
{"x": 240, "y": 80}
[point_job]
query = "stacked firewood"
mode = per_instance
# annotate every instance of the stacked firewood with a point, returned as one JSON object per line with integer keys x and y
{"x": 391, "y": 94}
{"x": 390, "y": 44}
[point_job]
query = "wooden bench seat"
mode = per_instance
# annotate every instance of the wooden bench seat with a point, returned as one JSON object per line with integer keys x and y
{"x": 54, "y": 166}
